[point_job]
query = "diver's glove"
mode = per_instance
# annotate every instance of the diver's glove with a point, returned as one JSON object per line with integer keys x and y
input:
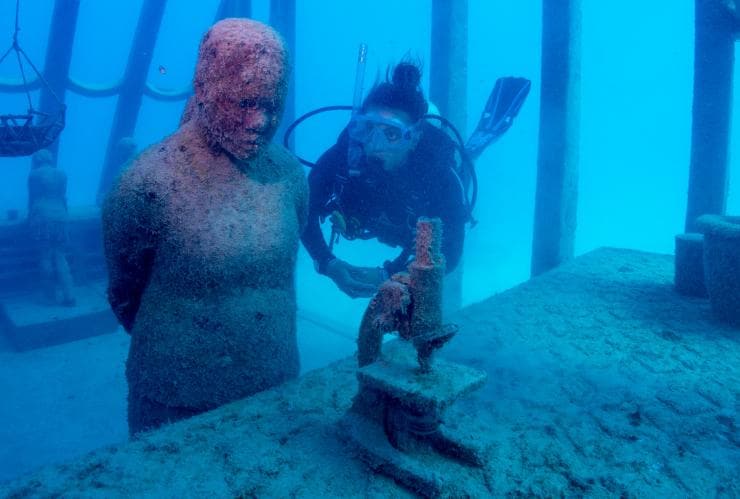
{"x": 375, "y": 276}
{"x": 355, "y": 282}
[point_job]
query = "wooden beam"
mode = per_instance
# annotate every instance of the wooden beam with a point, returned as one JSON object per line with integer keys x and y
{"x": 58, "y": 57}
{"x": 283, "y": 19}
{"x": 714, "y": 53}
{"x": 132, "y": 90}
{"x": 557, "y": 162}
{"x": 448, "y": 86}
{"x": 448, "y": 90}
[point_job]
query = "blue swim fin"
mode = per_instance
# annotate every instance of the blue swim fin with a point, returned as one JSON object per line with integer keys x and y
{"x": 506, "y": 99}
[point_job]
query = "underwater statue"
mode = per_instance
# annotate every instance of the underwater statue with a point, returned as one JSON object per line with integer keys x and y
{"x": 201, "y": 234}
{"x": 47, "y": 223}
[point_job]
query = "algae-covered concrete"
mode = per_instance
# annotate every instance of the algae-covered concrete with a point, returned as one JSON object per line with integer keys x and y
{"x": 602, "y": 381}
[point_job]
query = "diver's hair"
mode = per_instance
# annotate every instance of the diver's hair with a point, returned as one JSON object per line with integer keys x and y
{"x": 402, "y": 91}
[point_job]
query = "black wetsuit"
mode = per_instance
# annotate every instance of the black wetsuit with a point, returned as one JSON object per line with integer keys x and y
{"x": 385, "y": 206}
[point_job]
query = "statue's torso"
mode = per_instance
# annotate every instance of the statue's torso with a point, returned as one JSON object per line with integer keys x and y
{"x": 217, "y": 319}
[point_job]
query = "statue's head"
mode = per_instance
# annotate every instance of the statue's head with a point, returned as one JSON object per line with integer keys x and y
{"x": 240, "y": 82}
{"x": 43, "y": 157}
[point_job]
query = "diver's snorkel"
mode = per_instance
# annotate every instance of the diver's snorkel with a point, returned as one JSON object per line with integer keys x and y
{"x": 354, "y": 149}
{"x": 354, "y": 153}
{"x": 359, "y": 79}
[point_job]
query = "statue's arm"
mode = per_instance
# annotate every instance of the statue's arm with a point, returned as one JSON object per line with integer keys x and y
{"x": 130, "y": 241}
{"x": 302, "y": 202}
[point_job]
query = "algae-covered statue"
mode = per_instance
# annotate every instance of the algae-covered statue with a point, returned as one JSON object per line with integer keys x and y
{"x": 47, "y": 222}
{"x": 201, "y": 235}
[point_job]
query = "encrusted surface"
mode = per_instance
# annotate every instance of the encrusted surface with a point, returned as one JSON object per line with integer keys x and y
{"x": 603, "y": 382}
{"x": 397, "y": 374}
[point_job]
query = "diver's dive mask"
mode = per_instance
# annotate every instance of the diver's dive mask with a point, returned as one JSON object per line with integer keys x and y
{"x": 377, "y": 133}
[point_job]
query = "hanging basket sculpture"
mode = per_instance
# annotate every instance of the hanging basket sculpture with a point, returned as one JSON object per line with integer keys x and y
{"x": 24, "y": 134}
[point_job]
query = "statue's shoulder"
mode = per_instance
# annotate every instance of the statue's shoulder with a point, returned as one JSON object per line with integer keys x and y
{"x": 285, "y": 161}
{"x": 155, "y": 165}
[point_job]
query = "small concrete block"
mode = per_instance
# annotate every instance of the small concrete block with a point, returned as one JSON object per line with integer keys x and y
{"x": 397, "y": 374}
{"x": 689, "y": 270}
{"x": 722, "y": 265}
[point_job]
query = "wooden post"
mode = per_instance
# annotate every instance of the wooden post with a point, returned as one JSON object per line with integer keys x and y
{"x": 448, "y": 90}
{"x": 714, "y": 53}
{"x": 282, "y": 18}
{"x": 448, "y": 74}
{"x": 132, "y": 89}
{"x": 557, "y": 162}
{"x": 58, "y": 57}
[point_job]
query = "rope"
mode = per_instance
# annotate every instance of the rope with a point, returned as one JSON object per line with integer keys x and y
{"x": 26, "y": 85}
{"x": 18, "y": 52}
{"x": 41, "y": 77}
{"x": 17, "y": 26}
{"x": 23, "y": 75}
{"x": 6, "y": 54}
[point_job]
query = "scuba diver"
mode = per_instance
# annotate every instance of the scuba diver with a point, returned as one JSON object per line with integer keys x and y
{"x": 389, "y": 167}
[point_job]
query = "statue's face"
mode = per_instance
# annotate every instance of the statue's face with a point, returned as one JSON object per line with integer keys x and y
{"x": 245, "y": 114}
{"x": 240, "y": 87}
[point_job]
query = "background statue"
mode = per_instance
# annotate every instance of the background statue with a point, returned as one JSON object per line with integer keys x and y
{"x": 201, "y": 235}
{"x": 47, "y": 222}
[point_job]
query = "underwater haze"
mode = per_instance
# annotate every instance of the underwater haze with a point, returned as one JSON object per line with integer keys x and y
{"x": 636, "y": 86}
{"x": 634, "y": 151}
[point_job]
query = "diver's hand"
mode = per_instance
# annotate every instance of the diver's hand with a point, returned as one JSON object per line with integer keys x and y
{"x": 375, "y": 276}
{"x": 355, "y": 282}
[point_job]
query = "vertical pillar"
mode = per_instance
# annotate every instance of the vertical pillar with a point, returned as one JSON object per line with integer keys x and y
{"x": 557, "y": 162}
{"x": 58, "y": 57}
{"x": 448, "y": 85}
{"x": 132, "y": 89}
{"x": 282, "y": 18}
{"x": 714, "y": 53}
{"x": 448, "y": 90}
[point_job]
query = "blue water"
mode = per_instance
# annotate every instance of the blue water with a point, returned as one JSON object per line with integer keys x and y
{"x": 636, "y": 107}
{"x": 637, "y": 61}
